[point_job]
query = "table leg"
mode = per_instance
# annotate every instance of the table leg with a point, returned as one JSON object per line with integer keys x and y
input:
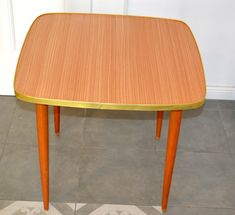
{"x": 42, "y": 127}
{"x": 173, "y": 134}
{"x": 57, "y": 119}
{"x": 159, "y": 124}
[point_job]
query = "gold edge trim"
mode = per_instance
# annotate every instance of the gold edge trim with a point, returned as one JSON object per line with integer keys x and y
{"x": 107, "y": 106}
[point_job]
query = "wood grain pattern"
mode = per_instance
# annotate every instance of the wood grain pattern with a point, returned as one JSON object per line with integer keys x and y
{"x": 110, "y": 59}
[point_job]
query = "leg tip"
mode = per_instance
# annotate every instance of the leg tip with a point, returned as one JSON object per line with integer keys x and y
{"x": 157, "y": 138}
{"x": 46, "y": 207}
{"x": 57, "y": 133}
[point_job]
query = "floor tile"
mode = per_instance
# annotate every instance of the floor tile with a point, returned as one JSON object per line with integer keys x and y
{"x": 120, "y": 177}
{"x": 226, "y": 105}
{"x": 64, "y": 208}
{"x": 228, "y": 119}
{"x": 23, "y": 129}
{"x": 28, "y": 207}
{"x": 1, "y": 150}
{"x": 19, "y": 171}
{"x": 203, "y": 180}
{"x": 233, "y": 156}
{"x": 20, "y": 176}
{"x": 7, "y": 105}
{"x": 199, "y": 211}
{"x": 108, "y": 209}
{"x": 64, "y": 174}
{"x": 116, "y": 114}
{"x": 4, "y": 204}
{"x": 109, "y": 157}
{"x": 211, "y": 104}
{"x": 72, "y": 127}
{"x": 120, "y": 129}
{"x": 231, "y": 139}
{"x": 201, "y": 131}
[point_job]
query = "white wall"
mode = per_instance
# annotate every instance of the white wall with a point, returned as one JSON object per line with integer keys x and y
{"x": 212, "y": 22}
{"x": 15, "y": 19}
{"x": 96, "y": 6}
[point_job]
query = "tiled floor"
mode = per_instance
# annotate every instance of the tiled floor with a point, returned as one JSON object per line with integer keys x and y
{"x": 111, "y": 157}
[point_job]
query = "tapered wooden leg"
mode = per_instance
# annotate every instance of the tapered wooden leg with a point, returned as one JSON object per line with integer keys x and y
{"x": 57, "y": 119}
{"x": 42, "y": 127}
{"x": 159, "y": 124}
{"x": 173, "y": 134}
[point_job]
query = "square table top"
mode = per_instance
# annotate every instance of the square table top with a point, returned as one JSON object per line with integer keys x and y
{"x": 110, "y": 62}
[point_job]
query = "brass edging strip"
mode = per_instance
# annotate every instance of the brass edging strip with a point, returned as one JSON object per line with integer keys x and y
{"x": 107, "y": 106}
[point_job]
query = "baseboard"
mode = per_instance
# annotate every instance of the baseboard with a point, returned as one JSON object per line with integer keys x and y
{"x": 221, "y": 92}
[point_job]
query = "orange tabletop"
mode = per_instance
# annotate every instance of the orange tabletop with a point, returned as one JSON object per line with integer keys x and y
{"x": 110, "y": 62}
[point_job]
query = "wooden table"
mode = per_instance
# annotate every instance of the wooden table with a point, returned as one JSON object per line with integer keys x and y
{"x": 110, "y": 62}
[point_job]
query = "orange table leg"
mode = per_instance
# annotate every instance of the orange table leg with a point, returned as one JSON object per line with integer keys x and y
{"x": 159, "y": 124}
{"x": 173, "y": 134}
{"x": 57, "y": 119}
{"x": 42, "y": 127}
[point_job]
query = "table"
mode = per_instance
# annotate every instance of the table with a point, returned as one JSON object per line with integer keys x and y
{"x": 110, "y": 62}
